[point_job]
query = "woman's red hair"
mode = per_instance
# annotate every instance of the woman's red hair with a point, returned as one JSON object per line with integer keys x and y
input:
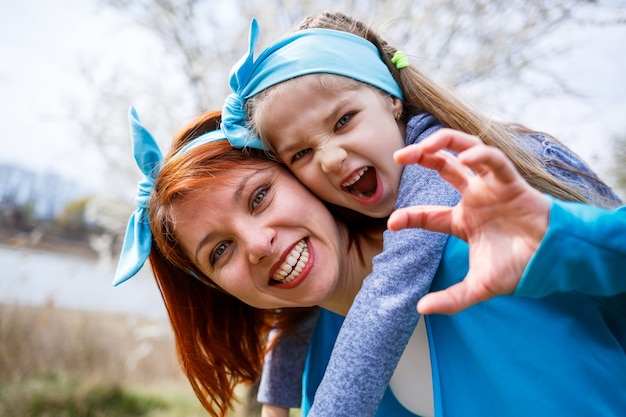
{"x": 220, "y": 340}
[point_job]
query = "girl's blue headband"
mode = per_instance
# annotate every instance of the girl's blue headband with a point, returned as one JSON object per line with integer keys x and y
{"x": 303, "y": 52}
{"x": 138, "y": 238}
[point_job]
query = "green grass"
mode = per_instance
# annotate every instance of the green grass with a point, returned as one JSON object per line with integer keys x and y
{"x": 65, "y": 363}
{"x": 51, "y": 395}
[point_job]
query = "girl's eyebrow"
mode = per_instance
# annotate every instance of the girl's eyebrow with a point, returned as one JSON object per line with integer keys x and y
{"x": 237, "y": 196}
{"x": 330, "y": 117}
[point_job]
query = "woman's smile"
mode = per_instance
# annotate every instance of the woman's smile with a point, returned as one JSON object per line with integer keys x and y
{"x": 294, "y": 266}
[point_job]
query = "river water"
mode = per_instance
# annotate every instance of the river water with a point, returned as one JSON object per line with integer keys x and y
{"x": 38, "y": 278}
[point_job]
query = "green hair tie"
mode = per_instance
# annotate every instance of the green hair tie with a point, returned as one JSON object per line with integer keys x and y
{"x": 400, "y": 60}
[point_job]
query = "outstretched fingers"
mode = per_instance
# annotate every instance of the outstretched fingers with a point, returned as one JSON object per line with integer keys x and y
{"x": 434, "y": 218}
{"x": 434, "y": 153}
{"x": 474, "y": 158}
{"x": 453, "y": 140}
{"x": 453, "y": 299}
{"x": 442, "y": 161}
{"x": 486, "y": 159}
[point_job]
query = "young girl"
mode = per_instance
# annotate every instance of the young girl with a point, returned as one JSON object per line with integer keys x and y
{"x": 334, "y": 101}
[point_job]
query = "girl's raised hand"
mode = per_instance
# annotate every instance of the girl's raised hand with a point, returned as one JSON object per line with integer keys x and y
{"x": 500, "y": 216}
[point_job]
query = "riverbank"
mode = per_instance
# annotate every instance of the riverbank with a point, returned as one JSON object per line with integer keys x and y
{"x": 47, "y": 242}
{"x": 69, "y": 280}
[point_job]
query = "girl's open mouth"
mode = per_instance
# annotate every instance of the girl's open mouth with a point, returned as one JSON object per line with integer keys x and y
{"x": 363, "y": 184}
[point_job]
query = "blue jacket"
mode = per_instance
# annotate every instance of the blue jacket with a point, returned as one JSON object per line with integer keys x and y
{"x": 588, "y": 240}
{"x": 556, "y": 351}
{"x": 556, "y": 347}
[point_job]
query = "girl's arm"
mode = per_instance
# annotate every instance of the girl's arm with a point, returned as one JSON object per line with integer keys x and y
{"x": 382, "y": 318}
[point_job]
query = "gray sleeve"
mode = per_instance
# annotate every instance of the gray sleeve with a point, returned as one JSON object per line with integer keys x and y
{"x": 281, "y": 379}
{"x": 383, "y": 315}
{"x": 565, "y": 165}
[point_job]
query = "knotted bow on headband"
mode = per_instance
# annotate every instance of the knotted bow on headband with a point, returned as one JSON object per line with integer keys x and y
{"x": 138, "y": 238}
{"x": 303, "y": 52}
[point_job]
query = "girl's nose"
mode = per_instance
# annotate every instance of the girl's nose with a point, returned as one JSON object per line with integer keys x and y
{"x": 331, "y": 158}
{"x": 260, "y": 243}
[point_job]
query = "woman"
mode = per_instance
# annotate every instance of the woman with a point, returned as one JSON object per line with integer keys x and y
{"x": 231, "y": 226}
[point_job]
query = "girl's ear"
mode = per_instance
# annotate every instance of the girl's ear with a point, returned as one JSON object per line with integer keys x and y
{"x": 396, "y": 107}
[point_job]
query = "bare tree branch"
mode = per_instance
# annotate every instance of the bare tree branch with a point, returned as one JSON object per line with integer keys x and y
{"x": 461, "y": 43}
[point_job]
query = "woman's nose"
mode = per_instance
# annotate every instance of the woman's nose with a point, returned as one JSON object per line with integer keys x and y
{"x": 261, "y": 243}
{"x": 331, "y": 158}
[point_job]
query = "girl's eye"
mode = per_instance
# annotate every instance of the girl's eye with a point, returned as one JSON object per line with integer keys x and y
{"x": 219, "y": 250}
{"x": 300, "y": 154}
{"x": 344, "y": 119}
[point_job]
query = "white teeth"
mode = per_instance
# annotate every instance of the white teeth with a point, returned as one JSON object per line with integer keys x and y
{"x": 355, "y": 178}
{"x": 294, "y": 264}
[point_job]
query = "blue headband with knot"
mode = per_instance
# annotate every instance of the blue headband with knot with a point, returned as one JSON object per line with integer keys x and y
{"x": 303, "y": 52}
{"x": 138, "y": 238}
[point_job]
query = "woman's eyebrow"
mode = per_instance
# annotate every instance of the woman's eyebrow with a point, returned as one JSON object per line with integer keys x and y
{"x": 242, "y": 185}
{"x": 238, "y": 196}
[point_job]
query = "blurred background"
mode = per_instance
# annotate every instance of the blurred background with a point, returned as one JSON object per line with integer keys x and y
{"x": 70, "y": 343}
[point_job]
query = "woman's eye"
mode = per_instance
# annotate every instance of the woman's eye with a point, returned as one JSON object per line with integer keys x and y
{"x": 300, "y": 154}
{"x": 219, "y": 250}
{"x": 344, "y": 119}
{"x": 258, "y": 198}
